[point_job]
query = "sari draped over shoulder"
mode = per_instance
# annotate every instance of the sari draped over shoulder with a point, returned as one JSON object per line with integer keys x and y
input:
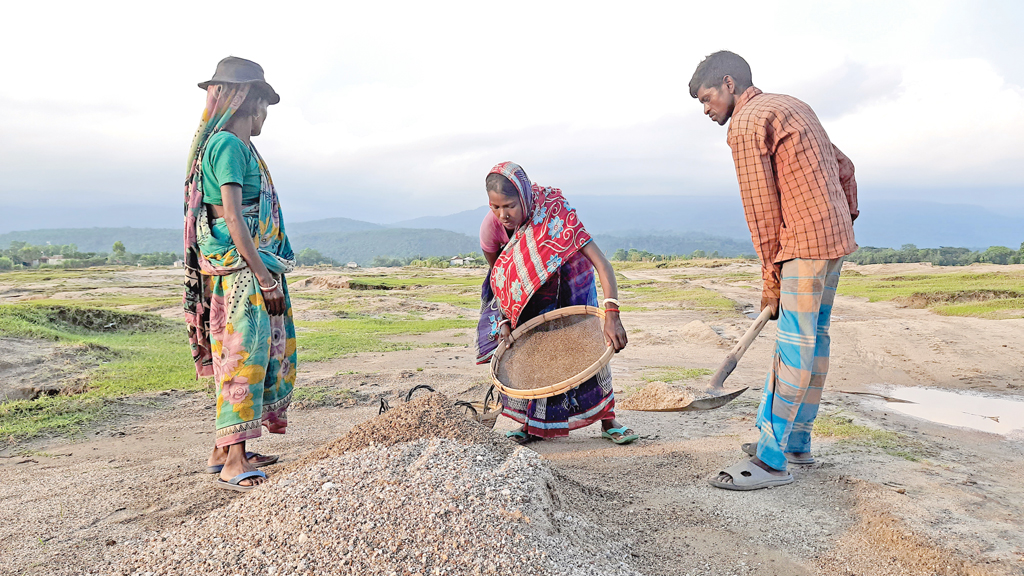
{"x": 250, "y": 354}
{"x": 539, "y": 270}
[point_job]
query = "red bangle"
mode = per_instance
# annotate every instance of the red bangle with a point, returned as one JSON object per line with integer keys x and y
{"x": 607, "y": 310}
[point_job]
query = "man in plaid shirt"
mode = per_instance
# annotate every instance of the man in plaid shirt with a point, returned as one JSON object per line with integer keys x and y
{"x": 800, "y": 200}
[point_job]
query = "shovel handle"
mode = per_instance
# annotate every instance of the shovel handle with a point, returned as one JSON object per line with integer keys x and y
{"x": 718, "y": 380}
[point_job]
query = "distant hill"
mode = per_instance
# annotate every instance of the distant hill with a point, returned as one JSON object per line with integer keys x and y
{"x": 659, "y": 224}
{"x": 335, "y": 225}
{"x": 362, "y": 246}
{"x": 882, "y": 222}
{"x": 673, "y": 243}
{"x": 466, "y": 222}
{"x": 136, "y": 240}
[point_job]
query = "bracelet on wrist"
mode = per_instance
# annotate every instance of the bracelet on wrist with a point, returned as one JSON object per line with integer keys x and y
{"x": 270, "y": 288}
{"x": 608, "y": 301}
{"x": 616, "y": 310}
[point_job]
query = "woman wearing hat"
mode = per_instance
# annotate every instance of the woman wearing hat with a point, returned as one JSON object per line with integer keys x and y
{"x": 236, "y": 255}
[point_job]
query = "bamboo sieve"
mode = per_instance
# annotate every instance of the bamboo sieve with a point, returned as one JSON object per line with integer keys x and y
{"x": 564, "y": 385}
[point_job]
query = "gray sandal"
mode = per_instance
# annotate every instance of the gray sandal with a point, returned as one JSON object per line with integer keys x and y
{"x": 236, "y": 482}
{"x": 749, "y": 476}
{"x": 260, "y": 461}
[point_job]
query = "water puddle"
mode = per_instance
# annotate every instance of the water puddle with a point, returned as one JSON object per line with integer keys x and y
{"x": 967, "y": 410}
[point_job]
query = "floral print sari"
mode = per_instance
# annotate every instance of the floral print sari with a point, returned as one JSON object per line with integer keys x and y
{"x": 250, "y": 354}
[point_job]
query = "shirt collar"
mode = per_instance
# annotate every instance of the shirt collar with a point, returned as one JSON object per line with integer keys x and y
{"x": 744, "y": 98}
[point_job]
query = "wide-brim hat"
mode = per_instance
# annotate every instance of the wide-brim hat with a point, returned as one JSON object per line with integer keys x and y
{"x": 234, "y": 70}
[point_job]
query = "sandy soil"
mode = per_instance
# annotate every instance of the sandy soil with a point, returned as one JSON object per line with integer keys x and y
{"x": 955, "y": 509}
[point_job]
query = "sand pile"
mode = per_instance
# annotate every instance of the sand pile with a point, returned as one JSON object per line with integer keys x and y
{"x": 657, "y": 396}
{"x": 431, "y": 506}
{"x": 426, "y": 416}
{"x": 697, "y": 332}
{"x": 552, "y": 353}
{"x": 325, "y": 282}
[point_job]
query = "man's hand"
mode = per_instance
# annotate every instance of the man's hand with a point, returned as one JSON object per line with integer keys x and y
{"x": 769, "y": 299}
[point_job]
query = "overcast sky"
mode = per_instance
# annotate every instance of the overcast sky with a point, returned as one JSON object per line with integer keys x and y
{"x": 395, "y": 110}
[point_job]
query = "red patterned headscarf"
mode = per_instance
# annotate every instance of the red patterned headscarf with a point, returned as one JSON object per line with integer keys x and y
{"x": 550, "y": 234}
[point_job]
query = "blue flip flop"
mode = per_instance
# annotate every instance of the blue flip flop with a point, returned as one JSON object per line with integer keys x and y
{"x": 248, "y": 456}
{"x": 235, "y": 483}
{"x": 520, "y": 437}
{"x": 623, "y": 438}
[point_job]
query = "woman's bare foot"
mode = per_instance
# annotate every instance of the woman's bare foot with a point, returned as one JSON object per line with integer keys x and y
{"x": 609, "y": 424}
{"x": 236, "y": 464}
{"x": 617, "y": 433}
{"x": 218, "y": 457}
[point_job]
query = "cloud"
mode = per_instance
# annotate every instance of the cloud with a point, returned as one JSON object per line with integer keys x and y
{"x": 849, "y": 87}
{"x": 393, "y": 111}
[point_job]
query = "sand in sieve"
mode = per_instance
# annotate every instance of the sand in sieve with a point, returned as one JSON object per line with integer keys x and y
{"x": 552, "y": 353}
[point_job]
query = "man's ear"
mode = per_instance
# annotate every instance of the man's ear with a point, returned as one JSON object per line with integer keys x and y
{"x": 729, "y": 84}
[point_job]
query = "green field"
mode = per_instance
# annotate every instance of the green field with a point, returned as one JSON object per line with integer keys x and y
{"x": 125, "y": 350}
{"x": 993, "y": 295}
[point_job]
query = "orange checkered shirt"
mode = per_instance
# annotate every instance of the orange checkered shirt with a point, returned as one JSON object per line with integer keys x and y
{"x": 799, "y": 193}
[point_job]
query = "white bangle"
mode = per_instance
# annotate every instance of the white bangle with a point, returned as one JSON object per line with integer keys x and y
{"x": 608, "y": 301}
{"x": 271, "y": 289}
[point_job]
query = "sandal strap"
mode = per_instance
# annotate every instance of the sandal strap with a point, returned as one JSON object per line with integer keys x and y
{"x": 237, "y": 480}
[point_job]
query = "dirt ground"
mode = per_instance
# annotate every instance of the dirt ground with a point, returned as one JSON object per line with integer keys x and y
{"x": 950, "y": 501}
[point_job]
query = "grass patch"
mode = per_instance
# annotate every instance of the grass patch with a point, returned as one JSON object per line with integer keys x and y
{"x": 993, "y": 309}
{"x": 48, "y": 415}
{"x": 469, "y": 300}
{"x": 992, "y": 295}
{"x": 842, "y": 427}
{"x": 319, "y": 396}
{"x": 388, "y": 283}
{"x": 692, "y": 263}
{"x": 335, "y": 338}
{"x": 144, "y": 303}
{"x": 669, "y": 374}
{"x": 51, "y": 274}
{"x": 692, "y": 298}
{"x": 134, "y": 352}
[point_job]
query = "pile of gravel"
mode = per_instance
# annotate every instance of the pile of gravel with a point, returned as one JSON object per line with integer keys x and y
{"x": 427, "y": 416}
{"x": 429, "y": 506}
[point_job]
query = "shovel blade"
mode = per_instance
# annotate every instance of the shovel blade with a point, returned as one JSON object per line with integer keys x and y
{"x": 710, "y": 402}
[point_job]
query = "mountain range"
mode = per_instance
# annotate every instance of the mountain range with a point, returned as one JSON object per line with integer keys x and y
{"x": 659, "y": 224}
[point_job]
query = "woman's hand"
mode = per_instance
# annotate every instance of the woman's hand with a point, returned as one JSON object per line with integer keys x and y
{"x": 505, "y": 334}
{"x": 614, "y": 333}
{"x": 273, "y": 298}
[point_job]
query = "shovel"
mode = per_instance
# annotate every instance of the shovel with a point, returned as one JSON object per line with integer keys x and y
{"x": 715, "y": 394}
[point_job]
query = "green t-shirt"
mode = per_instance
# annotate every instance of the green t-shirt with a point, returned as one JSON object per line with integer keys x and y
{"x": 229, "y": 161}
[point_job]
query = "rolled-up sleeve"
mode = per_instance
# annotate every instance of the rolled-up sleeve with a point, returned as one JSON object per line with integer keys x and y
{"x": 849, "y": 182}
{"x": 761, "y": 202}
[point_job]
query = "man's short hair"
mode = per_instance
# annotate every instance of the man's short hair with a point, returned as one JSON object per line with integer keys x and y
{"x": 711, "y": 72}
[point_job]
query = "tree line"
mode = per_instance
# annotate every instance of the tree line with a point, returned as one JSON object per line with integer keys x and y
{"x": 944, "y": 256}
{"x": 24, "y": 255}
